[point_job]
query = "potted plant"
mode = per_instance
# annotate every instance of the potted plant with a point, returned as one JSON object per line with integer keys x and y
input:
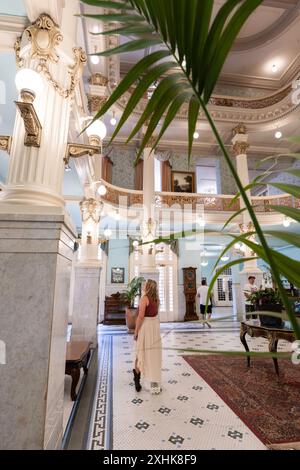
{"x": 268, "y": 300}
{"x": 131, "y": 293}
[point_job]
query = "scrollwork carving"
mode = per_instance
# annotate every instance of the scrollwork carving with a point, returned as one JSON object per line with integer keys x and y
{"x": 44, "y": 36}
{"x": 91, "y": 209}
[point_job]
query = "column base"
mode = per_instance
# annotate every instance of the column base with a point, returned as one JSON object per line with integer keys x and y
{"x": 36, "y": 254}
{"x": 86, "y": 302}
{"x": 31, "y": 195}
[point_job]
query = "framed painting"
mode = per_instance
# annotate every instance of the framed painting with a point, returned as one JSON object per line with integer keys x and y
{"x": 183, "y": 182}
{"x": 117, "y": 275}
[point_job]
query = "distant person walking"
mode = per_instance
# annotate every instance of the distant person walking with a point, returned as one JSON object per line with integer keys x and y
{"x": 250, "y": 288}
{"x": 202, "y": 293}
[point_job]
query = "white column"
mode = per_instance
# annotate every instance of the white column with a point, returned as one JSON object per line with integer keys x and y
{"x": 87, "y": 276}
{"x": 148, "y": 267}
{"x": 35, "y": 174}
{"x": 240, "y": 146}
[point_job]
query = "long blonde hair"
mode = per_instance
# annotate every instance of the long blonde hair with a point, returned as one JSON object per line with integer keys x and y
{"x": 151, "y": 291}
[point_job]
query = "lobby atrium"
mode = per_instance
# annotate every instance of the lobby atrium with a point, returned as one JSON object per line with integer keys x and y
{"x": 149, "y": 225}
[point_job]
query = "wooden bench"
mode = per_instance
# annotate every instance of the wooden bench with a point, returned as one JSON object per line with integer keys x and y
{"x": 78, "y": 355}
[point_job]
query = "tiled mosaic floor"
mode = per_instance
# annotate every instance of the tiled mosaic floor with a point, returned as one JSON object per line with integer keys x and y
{"x": 188, "y": 414}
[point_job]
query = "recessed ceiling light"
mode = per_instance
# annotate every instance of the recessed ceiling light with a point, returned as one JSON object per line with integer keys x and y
{"x": 196, "y": 135}
{"x": 278, "y": 134}
{"x": 274, "y": 68}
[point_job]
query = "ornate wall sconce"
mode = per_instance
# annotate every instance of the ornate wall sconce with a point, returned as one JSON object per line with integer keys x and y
{"x": 96, "y": 133}
{"x": 79, "y": 150}
{"x": 29, "y": 83}
{"x": 5, "y": 143}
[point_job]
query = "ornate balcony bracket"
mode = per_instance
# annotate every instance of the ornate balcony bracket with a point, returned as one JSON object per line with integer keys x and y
{"x": 33, "y": 127}
{"x": 5, "y": 143}
{"x": 80, "y": 150}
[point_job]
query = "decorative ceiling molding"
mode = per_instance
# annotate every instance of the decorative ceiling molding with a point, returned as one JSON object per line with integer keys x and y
{"x": 275, "y": 30}
{"x": 11, "y": 27}
{"x": 269, "y": 109}
{"x": 265, "y": 83}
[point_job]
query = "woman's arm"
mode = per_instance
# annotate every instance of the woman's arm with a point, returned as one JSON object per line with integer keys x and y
{"x": 142, "y": 309}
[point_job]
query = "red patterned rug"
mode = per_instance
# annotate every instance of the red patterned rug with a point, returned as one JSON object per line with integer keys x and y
{"x": 271, "y": 409}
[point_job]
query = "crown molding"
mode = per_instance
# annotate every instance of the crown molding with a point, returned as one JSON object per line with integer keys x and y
{"x": 274, "y": 31}
{"x": 11, "y": 27}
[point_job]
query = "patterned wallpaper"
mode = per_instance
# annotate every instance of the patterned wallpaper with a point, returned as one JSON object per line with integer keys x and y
{"x": 285, "y": 178}
{"x": 123, "y": 170}
{"x": 241, "y": 92}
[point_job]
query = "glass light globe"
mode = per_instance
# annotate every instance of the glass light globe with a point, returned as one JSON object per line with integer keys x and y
{"x": 237, "y": 246}
{"x": 107, "y": 233}
{"x": 102, "y": 190}
{"x": 135, "y": 244}
{"x": 97, "y": 128}
{"x": 243, "y": 248}
{"x": 204, "y": 263}
{"x": 201, "y": 222}
{"x": 95, "y": 59}
{"x": 196, "y": 135}
{"x": 28, "y": 79}
{"x": 117, "y": 216}
{"x": 278, "y": 135}
{"x": 286, "y": 222}
{"x": 225, "y": 258}
{"x": 113, "y": 121}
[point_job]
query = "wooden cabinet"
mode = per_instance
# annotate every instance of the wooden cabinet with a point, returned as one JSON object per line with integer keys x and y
{"x": 190, "y": 291}
{"x": 115, "y": 308}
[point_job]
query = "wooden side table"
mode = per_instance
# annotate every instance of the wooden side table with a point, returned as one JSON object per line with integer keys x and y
{"x": 273, "y": 335}
{"x": 78, "y": 355}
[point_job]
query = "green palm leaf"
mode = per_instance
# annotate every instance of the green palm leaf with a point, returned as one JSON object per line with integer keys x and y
{"x": 184, "y": 27}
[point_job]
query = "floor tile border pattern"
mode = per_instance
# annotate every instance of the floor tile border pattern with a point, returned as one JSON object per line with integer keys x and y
{"x": 101, "y": 430}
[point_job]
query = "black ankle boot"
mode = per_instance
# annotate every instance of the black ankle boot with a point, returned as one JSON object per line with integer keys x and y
{"x": 137, "y": 378}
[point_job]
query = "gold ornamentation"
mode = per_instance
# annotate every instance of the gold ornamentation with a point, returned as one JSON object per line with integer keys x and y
{"x": 240, "y": 148}
{"x": 5, "y": 143}
{"x": 91, "y": 209}
{"x": 95, "y": 102}
{"x": 17, "y": 48}
{"x": 33, "y": 128}
{"x": 98, "y": 79}
{"x": 44, "y": 35}
{"x": 74, "y": 72}
{"x": 239, "y": 129}
{"x": 79, "y": 150}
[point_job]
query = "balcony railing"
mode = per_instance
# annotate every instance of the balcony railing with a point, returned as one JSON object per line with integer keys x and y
{"x": 210, "y": 202}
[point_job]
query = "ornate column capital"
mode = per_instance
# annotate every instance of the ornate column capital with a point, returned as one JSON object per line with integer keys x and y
{"x": 240, "y": 148}
{"x": 239, "y": 129}
{"x": 98, "y": 79}
{"x": 91, "y": 210}
{"x": 43, "y": 36}
{"x": 240, "y": 140}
